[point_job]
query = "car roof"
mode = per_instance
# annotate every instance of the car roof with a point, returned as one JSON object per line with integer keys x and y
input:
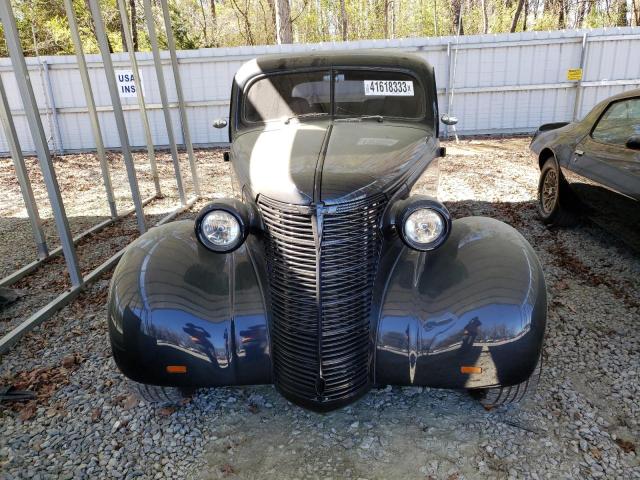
{"x": 627, "y": 94}
{"x": 332, "y": 59}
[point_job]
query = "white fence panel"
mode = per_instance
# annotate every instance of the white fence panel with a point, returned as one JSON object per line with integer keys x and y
{"x": 508, "y": 83}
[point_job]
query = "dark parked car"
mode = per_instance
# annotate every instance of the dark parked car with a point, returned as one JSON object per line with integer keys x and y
{"x": 592, "y": 167}
{"x": 325, "y": 276}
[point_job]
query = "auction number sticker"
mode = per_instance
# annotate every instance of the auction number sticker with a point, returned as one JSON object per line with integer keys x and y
{"x": 389, "y": 88}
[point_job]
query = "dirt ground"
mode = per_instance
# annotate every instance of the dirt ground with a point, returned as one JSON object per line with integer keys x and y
{"x": 582, "y": 423}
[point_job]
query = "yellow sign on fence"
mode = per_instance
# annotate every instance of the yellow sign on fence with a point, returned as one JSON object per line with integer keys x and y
{"x": 574, "y": 74}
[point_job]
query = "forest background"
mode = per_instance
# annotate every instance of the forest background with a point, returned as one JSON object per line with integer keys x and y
{"x": 44, "y": 30}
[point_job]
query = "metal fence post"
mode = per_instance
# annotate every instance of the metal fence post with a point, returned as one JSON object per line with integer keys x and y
{"x": 583, "y": 64}
{"x": 124, "y": 16}
{"x": 21, "y": 172}
{"x": 181, "y": 106}
{"x": 162, "y": 87}
{"x": 39, "y": 140}
{"x": 52, "y": 104}
{"x": 447, "y": 87}
{"x": 91, "y": 106}
{"x": 117, "y": 111}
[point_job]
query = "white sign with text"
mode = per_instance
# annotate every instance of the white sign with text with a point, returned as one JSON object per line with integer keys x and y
{"x": 126, "y": 83}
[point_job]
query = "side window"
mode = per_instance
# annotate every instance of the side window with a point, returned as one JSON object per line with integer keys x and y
{"x": 620, "y": 122}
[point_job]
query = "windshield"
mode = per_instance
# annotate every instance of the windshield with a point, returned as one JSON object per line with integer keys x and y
{"x": 356, "y": 93}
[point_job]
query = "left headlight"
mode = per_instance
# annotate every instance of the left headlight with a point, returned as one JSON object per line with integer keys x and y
{"x": 423, "y": 223}
{"x": 221, "y": 226}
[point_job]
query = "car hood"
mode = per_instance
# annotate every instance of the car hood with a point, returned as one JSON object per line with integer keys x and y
{"x": 332, "y": 162}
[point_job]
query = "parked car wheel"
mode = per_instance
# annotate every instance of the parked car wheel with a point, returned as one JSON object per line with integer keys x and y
{"x": 155, "y": 394}
{"x": 491, "y": 398}
{"x": 554, "y": 202}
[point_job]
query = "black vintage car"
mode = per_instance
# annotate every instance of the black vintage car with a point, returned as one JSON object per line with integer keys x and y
{"x": 592, "y": 167}
{"x": 325, "y": 276}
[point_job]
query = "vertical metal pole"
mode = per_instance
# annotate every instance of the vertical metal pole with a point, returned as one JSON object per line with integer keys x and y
{"x": 91, "y": 106}
{"x": 162, "y": 87}
{"x": 52, "y": 104}
{"x": 21, "y": 172}
{"x": 183, "y": 113}
{"x": 39, "y": 140}
{"x": 583, "y": 63}
{"x": 124, "y": 16}
{"x": 117, "y": 112}
{"x": 447, "y": 87}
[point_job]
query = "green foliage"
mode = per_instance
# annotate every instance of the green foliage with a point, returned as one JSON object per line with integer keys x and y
{"x": 43, "y": 27}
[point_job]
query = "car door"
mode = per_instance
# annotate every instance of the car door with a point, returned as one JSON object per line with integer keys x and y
{"x": 605, "y": 173}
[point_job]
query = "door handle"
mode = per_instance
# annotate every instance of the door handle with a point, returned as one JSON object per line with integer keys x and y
{"x": 579, "y": 152}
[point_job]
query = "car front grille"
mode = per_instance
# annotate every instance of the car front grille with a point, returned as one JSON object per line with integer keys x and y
{"x": 321, "y": 264}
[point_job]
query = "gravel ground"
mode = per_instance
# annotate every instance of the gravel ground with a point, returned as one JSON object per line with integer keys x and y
{"x": 582, "y": 423}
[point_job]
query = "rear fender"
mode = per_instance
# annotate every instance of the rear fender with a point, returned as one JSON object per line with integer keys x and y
{"x": 172, "y": 302}
{"x": 477, "y": 301}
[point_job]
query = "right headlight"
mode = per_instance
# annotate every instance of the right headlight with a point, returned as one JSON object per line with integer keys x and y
{"x": 423, "y": 223}
{"x": 222, "y": 225}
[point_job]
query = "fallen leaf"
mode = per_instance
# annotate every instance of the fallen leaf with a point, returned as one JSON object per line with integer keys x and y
{"x": 596, "y": 453}
{"x": 96, "y": 413}
{"x": 28, "y": 412}
{"x": 227, "y": 469}
{"x": 130, "y": 402}
{"x": 166, "y": 411}
{"x": 626, "y": 445}
{"x": 69, "y": 361}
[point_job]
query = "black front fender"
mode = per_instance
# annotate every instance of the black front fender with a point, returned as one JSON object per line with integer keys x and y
{"x": 477, "y": 301}
{"x": 173, "y": 303}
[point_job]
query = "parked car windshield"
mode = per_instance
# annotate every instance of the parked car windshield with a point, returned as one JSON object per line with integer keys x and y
{"x": 357, "y": 93}
{"x": 620, "y": 122}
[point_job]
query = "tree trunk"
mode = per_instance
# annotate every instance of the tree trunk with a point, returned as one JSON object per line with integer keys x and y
{"x": 526, "y": 15}
{"x": 343, "y": 18}
{"x": 580, "y": 13}
{"x": 485, "y": 18}
{"x": 284, "y": 32}
{"x": 214, "y": 21}
{"x": 456, "y": 6}
{"x": 245, "y": 20}
{"x": 392, "y": 5}
{"x": 134, "y": 27}
{"x": 386, "y": 18}
{"x": 620, "y": 13}
{"x": 435, "y": 17}
{"x": 516, "y": 16}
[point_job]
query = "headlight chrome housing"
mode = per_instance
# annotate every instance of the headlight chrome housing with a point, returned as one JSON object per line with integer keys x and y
{"x": 423, "y": 223}
{"x": 222, "y": 226}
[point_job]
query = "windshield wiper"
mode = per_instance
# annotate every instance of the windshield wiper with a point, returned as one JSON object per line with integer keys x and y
{"x": 378, "y": 118}
{"x": 306, "y": 115}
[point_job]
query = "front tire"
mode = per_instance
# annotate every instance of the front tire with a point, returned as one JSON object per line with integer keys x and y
{"x": 156, "y": 395}
{"x": 491, "y": 398}
{"x": 554, "y": 197}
